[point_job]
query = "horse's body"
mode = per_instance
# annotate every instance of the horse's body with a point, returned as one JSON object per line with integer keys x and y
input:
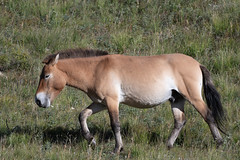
{"x": 140, "y": 82}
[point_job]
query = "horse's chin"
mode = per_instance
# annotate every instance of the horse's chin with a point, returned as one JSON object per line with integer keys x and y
{"x": 47, "y": 105}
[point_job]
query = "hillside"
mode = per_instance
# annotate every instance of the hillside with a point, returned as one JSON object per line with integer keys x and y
{"x": 209, "y": 31}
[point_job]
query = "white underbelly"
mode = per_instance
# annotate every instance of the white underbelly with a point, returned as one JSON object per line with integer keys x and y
{"x": 148, "y": 95}
{"x": 146, "y": 101}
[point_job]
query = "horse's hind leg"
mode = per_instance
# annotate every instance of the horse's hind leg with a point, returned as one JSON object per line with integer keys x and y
{"x": 202, "y": 108}
{"x": 92, "y": 109}
{"x": 193, "y": 95}
{"x": 179, "y": 118}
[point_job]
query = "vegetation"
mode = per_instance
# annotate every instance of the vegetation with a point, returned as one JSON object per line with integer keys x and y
{"x": 209, "y": 31}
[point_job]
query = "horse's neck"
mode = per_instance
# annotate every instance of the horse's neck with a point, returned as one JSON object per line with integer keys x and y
{"x": 79, "y": 72}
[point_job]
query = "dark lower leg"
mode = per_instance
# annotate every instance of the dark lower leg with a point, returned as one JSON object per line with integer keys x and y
{"x": 214, "y": 130}
{"x": 118, "y": 138}
{"x": 207, "y": 115}
{"x": 115, "y": 124}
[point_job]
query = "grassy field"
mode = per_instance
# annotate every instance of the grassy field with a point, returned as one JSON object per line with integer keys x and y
{"x": 209, "y": 31}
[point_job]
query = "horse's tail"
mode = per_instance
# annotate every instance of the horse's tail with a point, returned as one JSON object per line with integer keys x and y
{"x": 213, "y": 100}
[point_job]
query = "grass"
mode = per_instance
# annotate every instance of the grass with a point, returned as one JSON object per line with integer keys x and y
{"x": 30, "y": 30}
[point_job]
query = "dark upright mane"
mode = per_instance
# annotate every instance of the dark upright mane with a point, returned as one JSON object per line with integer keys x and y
{"x": 75, "y": 53}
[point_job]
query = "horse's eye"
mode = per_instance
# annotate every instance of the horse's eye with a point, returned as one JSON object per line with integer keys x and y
{"x": 47, "y": 76}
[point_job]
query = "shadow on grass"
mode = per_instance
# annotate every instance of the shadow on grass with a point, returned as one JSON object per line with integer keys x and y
{"x": 57, "y": 135}
{"x": 60, "y": 135}
{"x": 64, "y": 135}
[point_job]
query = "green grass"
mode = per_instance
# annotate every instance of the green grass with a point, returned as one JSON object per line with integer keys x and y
{"x": 30, "y": 30}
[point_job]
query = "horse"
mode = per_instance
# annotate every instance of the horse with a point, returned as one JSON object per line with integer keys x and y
{"x": 137, "y": 81}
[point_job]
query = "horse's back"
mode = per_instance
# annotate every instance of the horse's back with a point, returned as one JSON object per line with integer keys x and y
{"x": 146, "y": 67}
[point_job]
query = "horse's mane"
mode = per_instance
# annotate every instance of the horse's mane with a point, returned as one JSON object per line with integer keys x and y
{"x": 75, "y": 53}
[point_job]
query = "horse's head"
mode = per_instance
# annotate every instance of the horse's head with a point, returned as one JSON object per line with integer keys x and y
{"x": 52, "y": 81}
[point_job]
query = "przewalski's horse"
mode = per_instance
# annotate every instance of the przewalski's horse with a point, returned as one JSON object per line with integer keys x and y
{"x": 141, "y": 82}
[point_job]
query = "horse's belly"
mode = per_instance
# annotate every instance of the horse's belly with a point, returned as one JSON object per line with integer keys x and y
{"x": 145, "y": 98}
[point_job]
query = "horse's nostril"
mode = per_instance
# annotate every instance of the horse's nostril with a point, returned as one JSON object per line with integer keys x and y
{"x": 38, "y": 102}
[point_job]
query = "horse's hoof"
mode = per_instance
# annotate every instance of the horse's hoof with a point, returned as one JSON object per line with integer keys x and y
{"x": 219, "y": 142}
{"x": 169, "y": 146}
{"x": 92, "y": 143}
{"x": 117, "y": 150}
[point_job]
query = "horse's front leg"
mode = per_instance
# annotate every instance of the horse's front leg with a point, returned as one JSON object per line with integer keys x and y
{"x": 113, "y": 109}
{"x": 92, "y": 109}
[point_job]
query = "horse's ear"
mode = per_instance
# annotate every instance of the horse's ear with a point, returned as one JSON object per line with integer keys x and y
{"x": 55, "y": 60}
{"x": 52, "y": 59}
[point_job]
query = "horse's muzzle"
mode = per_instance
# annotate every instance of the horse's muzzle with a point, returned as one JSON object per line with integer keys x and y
{"x": 42, "y": 100}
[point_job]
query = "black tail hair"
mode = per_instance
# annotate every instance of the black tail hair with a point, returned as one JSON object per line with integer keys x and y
{"x": 213, "y": 100}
